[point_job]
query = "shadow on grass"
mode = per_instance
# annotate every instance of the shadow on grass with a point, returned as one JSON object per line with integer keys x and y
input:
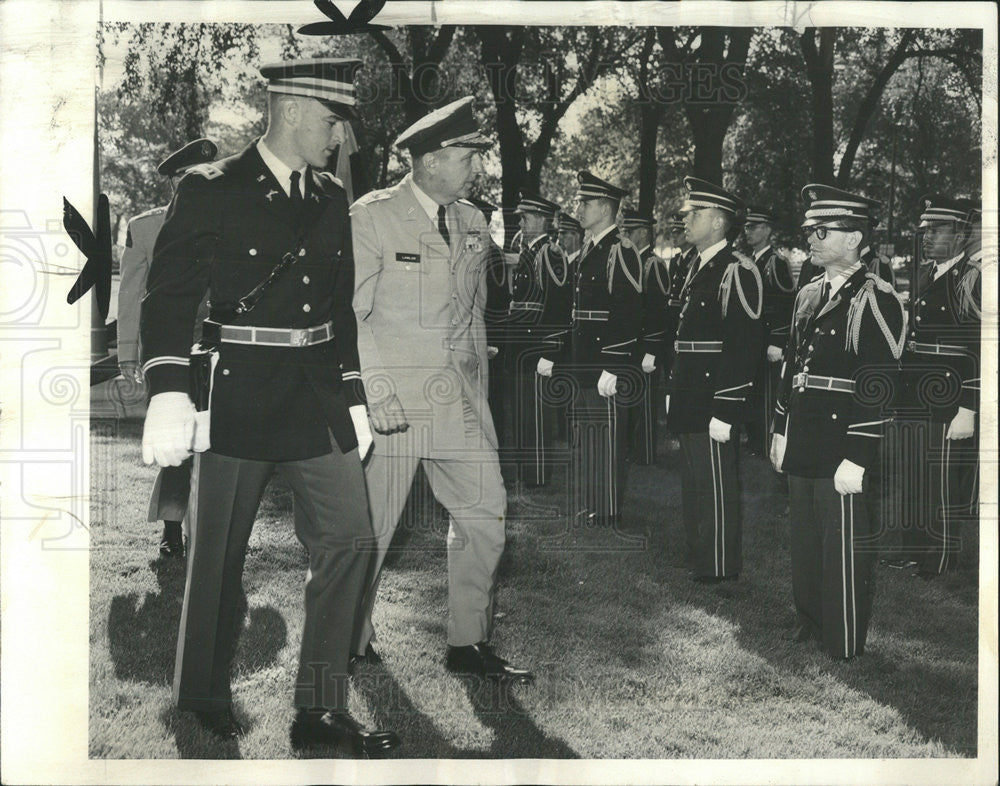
{"x": 910, "y": 667}
{"x": 142, "y": 636}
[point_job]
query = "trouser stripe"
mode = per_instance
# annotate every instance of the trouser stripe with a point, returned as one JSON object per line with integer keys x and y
{"x": 539, "y": 445}
{"x": 611, "y": 455}
{"x": 854, "y": 603}
{"x": 716, "y": 493}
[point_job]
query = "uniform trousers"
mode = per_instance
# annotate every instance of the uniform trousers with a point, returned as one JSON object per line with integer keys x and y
{"x": 833, "y": 550}
{"x": 598, "y": 428}
{"x": 169, "y": 499}
{"x": 644, "y": 419}
{"x": 531, "y": 417}
{"x": 760, "y": 407}
{"x": 710, "y": 500}
{"x": 937, "y": 490}
{"x": 331, "y": 521}
{"x": 472, "y": 491}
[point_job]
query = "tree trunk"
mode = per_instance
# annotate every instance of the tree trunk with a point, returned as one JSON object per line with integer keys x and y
{"x": 819, "y": 68}
{"x": 649, "y": 124}
{"x": 868, "y": 105}
{"x": 500, "y": 57}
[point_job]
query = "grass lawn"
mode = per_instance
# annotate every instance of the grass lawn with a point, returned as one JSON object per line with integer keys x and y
{"x": 632, "y": 659}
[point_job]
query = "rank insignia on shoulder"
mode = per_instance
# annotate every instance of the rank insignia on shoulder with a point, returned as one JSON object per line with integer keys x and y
{"x": 207, "y": 171}
{"x": 473, "y": 242}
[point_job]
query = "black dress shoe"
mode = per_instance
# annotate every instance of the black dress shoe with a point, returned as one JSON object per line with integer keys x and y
{"x": 479, "y": 659}
{"x": 370, "y": 658}
{"x": 319, "y": 727}
{"x": 221, "y": 723}
{"x": 172, "y": 540}
{"x": 714, "y": 579}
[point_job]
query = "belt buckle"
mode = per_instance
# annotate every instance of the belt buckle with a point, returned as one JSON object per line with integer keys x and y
{"x": 803, "y": 379}
{"x": 299, "y": 337}
{"x": 911, "y": 345}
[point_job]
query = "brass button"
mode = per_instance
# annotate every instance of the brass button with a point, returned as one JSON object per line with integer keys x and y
{"x": 253, "y": 252}
{"x": 834, "y": 416}
{"x": 302, "y": 252}
{"x": 225, "y": 372}
{"x": 305, "y": 279}
{"x": 306, "y": 307}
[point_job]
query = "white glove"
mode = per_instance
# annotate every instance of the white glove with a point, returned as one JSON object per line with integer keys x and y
{"x": 544, "y": 367}
{"x": 963, "y": 425}
{"x": 492, "y": 352}
{"x": 777, "y": 451}
{"x": 847, "y": 479}
{"x": 168, "y": 433}
{"x": 359, "y": 414}
{"x": 649, "y": 363}
{"x": 607, "y": 385}
{"x": 718, "y": 430}
{"x": 666, "y": 403}
{"x": 774, "y": 354}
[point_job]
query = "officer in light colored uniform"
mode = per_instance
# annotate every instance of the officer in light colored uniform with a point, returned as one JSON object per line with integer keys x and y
{"x": 779, "y": 295}
{"x": 601, "y": 362}
{"x": 420, "y": 255}
{"x": 169, "y": 499}
{"x": 840, "y": 367}
{"x": 939, "y": 394}
{"x": 653, "y": 349}
{"x": 536, "y": 325}
{"x": 718, "y": 343}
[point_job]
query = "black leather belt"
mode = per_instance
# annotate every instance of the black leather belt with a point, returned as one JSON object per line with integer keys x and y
{"x": 697, "y": 346}
{"x": 920, "y": 348}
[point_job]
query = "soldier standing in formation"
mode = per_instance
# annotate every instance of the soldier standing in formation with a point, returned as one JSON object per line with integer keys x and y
{"x": 680, "y": 266}
{"x": 169, "y": 499}
{"x": 842, "y": 355}
{"x": 717, "y": 346}
{"x": 653, "y": 351}
{"x": 535, "y": 326}
{"x": 779, "y": 295}
{"x": 269, "y": 236}
{"x": 420, "y": 253}
{"x": 939, "y": 394}
{"x": 601, "y": 357}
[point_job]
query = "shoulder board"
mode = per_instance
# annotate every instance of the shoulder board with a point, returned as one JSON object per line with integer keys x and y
{"x": 156, "y": 211}
{"x": 743, "y": 259}
{"x": 879, "y": 282}
{"x": 374, "y": 196}
{"x": 207, "y": 171}
{"x": 332, "y": 178}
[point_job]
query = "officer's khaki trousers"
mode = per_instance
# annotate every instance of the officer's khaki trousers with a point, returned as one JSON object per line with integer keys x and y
{"x": 472, "y": 491}
{"x": 331, "y": 521}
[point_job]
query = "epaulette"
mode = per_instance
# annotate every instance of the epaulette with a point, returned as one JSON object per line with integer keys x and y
{"x": 327, "y": 176}
{"x": 155, "y": 211}
{"x": 543, "y": 252}
{"x": 374, "y": 196}
{"x": 616, "y": 258}
{"x": 967, "y": 305}
{"x": 726, "y": 286}
{"x": 866, "y": 296}
{"x": 207, "y": 171}
{"x": 655, "y": 264}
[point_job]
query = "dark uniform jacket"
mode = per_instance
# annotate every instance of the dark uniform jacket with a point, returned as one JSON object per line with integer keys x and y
{"x": 607, "y": 310}
{"x": 539, "y": 290}
{"x": 856, "y": 337}
{"x": 227, "y": 227}
{"x": 940, "y": 367}
{"x": 497, "y": 295}
{"x": 779, "y": 297}
{"x": 878, "y": 264}
{"x": 655, "y": 317}
{"x": 716, "y": 383}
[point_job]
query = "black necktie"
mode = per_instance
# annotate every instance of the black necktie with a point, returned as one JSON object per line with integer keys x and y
{"x": 443, "y": 225}
{"x": 825, "y": 295}
{"x": 295, "y": 194}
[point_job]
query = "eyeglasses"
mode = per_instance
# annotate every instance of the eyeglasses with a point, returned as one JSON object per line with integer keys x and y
{"x": 822, "y": 231}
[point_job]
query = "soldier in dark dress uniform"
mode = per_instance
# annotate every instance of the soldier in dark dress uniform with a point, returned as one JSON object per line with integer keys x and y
{"x": 287, "y": 394}
{"x": 939, "y": 395}
{"x": 570, "y": 239}
{"x": 497, "y": 307}
{"x": 718, "y": 342}
{"x": 840, "y": 366}
{"x": 680, "y": 266}
{"x": 535, "y": 326}
{"x": 779, "y": 295}
{"x": 653, "y": 352}
{"x": 169, "y": 498}
{"x": 601, "y": 361}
